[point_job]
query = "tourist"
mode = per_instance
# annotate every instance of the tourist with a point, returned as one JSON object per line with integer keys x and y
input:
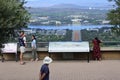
{"x": 96, "y": 49}
{"x": 22, "y": 47}
{"x": 44, "y": 71}
{"x": 34, "y": 52}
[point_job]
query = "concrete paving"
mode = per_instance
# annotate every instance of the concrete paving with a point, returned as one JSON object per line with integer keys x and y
{"x": 62, "y": 70}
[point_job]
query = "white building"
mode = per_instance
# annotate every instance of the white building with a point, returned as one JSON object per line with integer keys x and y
{"x": 105, "y": 22}
{"x": 76, "y": 21}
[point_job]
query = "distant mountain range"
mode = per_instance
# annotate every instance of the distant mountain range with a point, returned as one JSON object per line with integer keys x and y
{"x": 62, "y": 6}
{"x": 66, "y": 6}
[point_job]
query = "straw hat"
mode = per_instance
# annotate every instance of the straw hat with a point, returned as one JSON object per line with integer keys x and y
{"x": 47, "y": 60}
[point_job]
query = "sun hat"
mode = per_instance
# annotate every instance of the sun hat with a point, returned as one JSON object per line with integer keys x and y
{"x": 47, "y": 60}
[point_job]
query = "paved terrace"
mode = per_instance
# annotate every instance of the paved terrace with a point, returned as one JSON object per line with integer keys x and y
{"x": 62, "y": 70}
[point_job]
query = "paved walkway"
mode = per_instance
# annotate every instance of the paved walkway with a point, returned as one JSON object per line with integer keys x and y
{"x": 62, "y": 70}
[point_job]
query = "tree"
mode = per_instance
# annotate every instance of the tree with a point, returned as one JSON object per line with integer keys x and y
{"x": 13, "y": 16}
{"x": 114, "y": 16}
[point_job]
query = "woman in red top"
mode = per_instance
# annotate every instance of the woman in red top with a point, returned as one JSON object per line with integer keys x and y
{"x": 96, "y": 49}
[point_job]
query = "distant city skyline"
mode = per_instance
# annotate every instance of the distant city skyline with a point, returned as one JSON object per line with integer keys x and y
{"x": 48, "y": 3}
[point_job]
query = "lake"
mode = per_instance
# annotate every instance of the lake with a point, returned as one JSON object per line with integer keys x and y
{"x": 68, "y": 27}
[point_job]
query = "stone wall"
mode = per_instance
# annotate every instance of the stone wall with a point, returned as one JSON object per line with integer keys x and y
{"x": 106, "y": 55}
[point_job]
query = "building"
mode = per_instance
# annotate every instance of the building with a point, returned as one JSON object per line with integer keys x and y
{"x": 76, "y": 21}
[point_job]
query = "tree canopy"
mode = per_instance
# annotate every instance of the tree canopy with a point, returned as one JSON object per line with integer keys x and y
{"x": 13, "y": 15}
{"x": 114, "y": 16}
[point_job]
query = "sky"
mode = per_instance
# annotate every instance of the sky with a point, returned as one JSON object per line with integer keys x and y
{"x": 48, "y": 3}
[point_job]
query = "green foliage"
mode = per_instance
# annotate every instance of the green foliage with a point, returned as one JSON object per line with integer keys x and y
{"x": 43, "y": 36}
{"x": 114, "y": 16}
{"x": 13, "y": 15}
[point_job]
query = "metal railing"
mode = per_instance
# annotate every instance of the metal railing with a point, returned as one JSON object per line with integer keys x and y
{"x": 103, "y": 44}
{"x": 111, "y": 44}
{"x": 39, "y": 44}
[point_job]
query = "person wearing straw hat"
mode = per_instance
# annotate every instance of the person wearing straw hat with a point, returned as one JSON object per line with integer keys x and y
{"x": 44, "y": 71}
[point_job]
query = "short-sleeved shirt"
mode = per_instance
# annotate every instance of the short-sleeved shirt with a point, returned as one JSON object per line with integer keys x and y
{"x": 33, "y": 43}
{"x": 45, "y": 69}
{"x": 24, "y": 39}
{"x": 21, "y": 41}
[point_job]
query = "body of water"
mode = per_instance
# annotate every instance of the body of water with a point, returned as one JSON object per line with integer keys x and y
{"x": 69, "y": 27}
